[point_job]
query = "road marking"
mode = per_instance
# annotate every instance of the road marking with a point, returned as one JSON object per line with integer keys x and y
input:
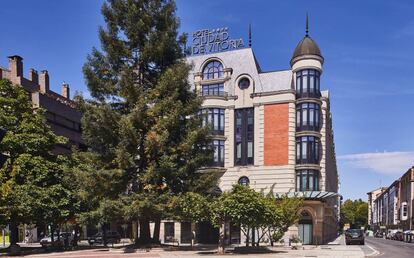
{"x": 374, "y": 251}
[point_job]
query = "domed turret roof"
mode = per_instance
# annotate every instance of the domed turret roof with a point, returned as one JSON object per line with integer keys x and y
{"x": 306, "y": 46}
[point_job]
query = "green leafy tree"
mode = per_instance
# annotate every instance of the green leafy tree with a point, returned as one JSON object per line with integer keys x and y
{"x": 142, "y": 118}
{"x": 286, "y": 209}
{"x": 190, "y": 206}
{"x": 242, "y": 206}
{"x": 255, "y": 212}
{"x": 355, "y": 212}
{"x": 33, "y": 180}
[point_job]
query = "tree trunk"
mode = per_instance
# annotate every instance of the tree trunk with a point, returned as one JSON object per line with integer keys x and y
{"x": 104, "y": 238}
{"x": 248, "y": 237}
{"x": 14, "y": 238}
{"x": 14, "y": 233}
{"x": 156, "y": 233}
{"x": 75, "y": 237}
{"x": 52, "y": 232}
{"x": 222, "y": 246}
{"x": 144, "y": 232}
{"x": 253, "y": 236}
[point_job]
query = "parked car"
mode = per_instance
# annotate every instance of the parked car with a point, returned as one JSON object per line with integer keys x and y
{"x": 379, "y": 234}
{"x": 399, "y": 236}
{"x": 66, "y": 238}
{"x": 391, "y": 233}
{"x": 354, "y": 236}
{"x": 112, "y": 237}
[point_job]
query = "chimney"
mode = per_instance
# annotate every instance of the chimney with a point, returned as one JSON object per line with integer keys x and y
{"x": 33, "y": 76}
{"x": 65, "y": 90}
{"x": 16, "y": 66}
{"x": 44, "y": 81}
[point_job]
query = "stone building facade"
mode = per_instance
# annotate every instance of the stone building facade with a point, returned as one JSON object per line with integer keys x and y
{"x": 392, "y": 207}
{"x": 372, "y": 213}
{"x": 61, "y": 113}
{"x": 270, "y": 129}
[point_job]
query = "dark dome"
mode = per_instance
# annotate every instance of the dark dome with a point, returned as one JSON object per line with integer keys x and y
{"x": 306, "y": 46}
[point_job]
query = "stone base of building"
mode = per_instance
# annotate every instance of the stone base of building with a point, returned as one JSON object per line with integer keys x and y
{"x": 317, "y": 225}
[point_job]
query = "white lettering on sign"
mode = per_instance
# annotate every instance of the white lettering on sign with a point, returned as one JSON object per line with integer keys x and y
{"x": 215, "y": 40}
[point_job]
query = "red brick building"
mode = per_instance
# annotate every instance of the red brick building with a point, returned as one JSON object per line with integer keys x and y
{"x": 61, "y": 112}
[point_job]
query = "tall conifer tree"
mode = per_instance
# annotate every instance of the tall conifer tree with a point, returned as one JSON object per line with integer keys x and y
{"x": 142, "y": 118}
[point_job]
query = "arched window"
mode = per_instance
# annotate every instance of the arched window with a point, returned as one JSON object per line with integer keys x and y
{"x": 308, "y": 150}
{"x": 307, "y": 180}
{"x": 244, "y": 180}
{"x": 308, "y": 116}
{"x": 213, "y": 70}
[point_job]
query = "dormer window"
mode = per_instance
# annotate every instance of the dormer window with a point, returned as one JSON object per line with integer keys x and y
{"x": 213, "y": 70}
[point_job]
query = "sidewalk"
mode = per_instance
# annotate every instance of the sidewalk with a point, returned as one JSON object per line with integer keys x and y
{"x": 335, "y": 249}
{"x": 325, "y": 251}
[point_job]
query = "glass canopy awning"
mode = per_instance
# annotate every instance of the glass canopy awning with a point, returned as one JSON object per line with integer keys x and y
{"x": 310, "y": 195}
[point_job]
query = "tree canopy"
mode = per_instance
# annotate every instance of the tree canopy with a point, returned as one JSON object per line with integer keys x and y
{"x": 263, "y": 214}
{"x": 34, "y": 185}
{"x": 355, "y": 212}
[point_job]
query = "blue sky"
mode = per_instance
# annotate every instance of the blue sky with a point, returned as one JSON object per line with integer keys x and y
{"x": 368, "y": 68}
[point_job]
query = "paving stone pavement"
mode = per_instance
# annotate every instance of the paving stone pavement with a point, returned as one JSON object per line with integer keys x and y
{"x": 336, "y": 249}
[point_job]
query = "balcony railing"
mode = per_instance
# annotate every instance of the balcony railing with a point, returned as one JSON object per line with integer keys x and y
{"x": 314, "y": 128}
{"x": 308, "y": 94}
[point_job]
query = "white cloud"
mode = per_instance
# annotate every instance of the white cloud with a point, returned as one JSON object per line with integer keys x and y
{"x": 389, "y": 163}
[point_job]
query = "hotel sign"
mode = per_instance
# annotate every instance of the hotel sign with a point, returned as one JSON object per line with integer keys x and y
{"x": 216, "y": 40}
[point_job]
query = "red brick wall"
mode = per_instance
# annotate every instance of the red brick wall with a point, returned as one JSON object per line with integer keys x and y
{"x": 276, "y": 134}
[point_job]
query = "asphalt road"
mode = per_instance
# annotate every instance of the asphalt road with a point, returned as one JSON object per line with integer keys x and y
{"x": 390, "y": 248}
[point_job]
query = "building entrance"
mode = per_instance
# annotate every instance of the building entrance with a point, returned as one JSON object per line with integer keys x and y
{"x": 306, "y": 228}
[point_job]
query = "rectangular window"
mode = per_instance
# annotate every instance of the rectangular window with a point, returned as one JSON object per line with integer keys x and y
{"x": 186, "y": 232}
{"x": 298, "y": 84}
{"x": 311, "y": 116}
{"x": 169, "y": 232}
{"x": 298, "y": 118}
{"x": 244, "y": 136}
{"x": 218, "y": 153}
{"x": 304, "y": 185}
{"x": 213, "y": 90}
{"x": 305, "y": 116}
{"x": 311, "y": 84}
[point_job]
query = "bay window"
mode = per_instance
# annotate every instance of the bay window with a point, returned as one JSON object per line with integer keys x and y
{"x": 308, "y": 150}
{"x": 307, "y": 180}
{"x": 308, "y": 83}
{"x": 308, "y": 117}
{"x": 214, "y": 117}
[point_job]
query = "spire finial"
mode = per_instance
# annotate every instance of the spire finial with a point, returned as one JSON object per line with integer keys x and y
{"x": 250, "y": 34}
{"x": 307, "y": 25}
